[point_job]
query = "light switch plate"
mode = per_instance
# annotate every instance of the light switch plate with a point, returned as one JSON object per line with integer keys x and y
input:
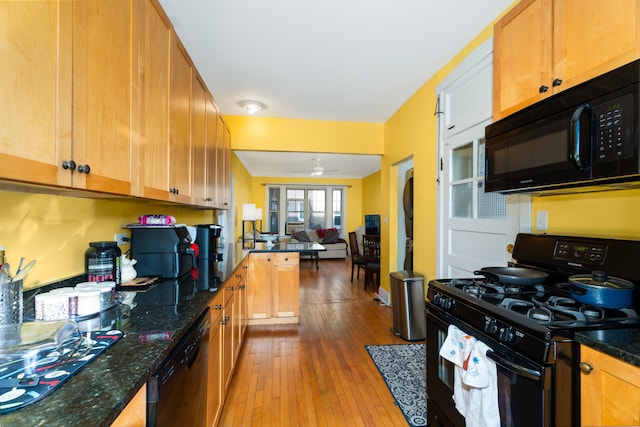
{"x": 542, "y": 220}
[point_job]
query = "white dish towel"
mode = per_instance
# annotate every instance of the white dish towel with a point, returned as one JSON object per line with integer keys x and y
{"x": 475, "y": 390}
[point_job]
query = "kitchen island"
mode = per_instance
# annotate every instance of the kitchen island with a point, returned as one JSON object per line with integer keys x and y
{"x": 100, "y": 391}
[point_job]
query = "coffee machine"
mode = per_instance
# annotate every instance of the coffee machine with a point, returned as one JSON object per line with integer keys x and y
{"x": 210, "y": 256}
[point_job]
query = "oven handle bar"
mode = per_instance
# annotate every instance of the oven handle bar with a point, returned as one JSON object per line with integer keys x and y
{"x": 520, "y": 370}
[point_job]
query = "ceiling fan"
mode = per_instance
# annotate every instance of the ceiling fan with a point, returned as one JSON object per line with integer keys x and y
{"x": 319, "y": 170}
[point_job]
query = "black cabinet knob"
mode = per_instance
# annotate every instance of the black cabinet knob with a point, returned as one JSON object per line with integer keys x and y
{"x": 543, "y": 88}
{"x": 71, "y": 165}
{"x": 557, "y": 82}
{"x": 84, "y": 169}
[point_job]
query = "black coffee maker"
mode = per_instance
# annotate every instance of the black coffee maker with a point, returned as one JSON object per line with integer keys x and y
{"x": 210, "y": 256}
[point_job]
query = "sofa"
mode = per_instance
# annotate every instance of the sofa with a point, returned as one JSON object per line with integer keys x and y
{"x": 329, "y": 238}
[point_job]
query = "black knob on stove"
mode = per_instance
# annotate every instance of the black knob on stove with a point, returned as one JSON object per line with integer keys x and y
{"x": 490, "y": 326}
{"x": 505, "y": 335}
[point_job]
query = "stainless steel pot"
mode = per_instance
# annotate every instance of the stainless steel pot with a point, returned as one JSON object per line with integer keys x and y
{"x": 513, "y": 275}
{"x": 599, "y": 290}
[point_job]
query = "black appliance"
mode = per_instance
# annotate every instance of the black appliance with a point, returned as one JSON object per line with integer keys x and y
{"x": 407, "y": 205}
{"x": 162, "y": 251}
{"x": 177, "y": 391}
{"x": 584, "y": 136}
{"x": 210, "y": 255}
{"x": 530, "y": 328}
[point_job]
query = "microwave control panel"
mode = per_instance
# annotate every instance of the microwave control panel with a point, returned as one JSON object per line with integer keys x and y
{"x": 589, "y": 253}
{"x": 613, "y": 129}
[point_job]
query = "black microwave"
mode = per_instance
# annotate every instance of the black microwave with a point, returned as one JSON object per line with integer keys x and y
{"x": 584, "y": 136}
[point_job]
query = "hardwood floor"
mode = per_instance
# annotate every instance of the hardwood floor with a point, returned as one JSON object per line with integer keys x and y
{"x": 317, "y": 373}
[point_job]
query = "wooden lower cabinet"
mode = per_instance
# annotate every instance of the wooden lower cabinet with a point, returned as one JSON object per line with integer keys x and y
{"x": 135, "y": 413}
{"x": 609, "y": 390}
{"x": 273, "y": 294}
{"x": 215, "y": 390}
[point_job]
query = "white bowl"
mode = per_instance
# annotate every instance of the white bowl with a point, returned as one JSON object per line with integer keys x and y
{"x": 269, "y": 237}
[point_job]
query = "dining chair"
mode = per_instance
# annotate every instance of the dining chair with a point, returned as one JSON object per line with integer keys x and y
{"x": 356, "y": 258}
{"x": 371, "y": 249}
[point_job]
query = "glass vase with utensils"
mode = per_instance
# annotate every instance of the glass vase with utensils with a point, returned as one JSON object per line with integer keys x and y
{"x": 11, "y": 302}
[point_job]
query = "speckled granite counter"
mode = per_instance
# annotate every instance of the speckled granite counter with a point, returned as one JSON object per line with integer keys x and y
{"x": 288, "y": 247}
{"x": 621, "y": 343}
{"x": 98, "y": 392}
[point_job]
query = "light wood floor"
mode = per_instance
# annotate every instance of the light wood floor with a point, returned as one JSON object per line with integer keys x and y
{"x": 317, "y": 373}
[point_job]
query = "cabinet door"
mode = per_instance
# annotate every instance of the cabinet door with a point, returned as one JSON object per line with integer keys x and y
{"x": 522, "y": 56}
{"x": 220, "y": 160}
{"x": 259, "y": 296}
{"x": 35, "y": 91}
{"x": 135, "y": 413}
{"x": 285, "y": 276}
{"x": 180, "y": 124}
{"x": 215, "y": 386}
{"x": 211, "y": 174}
{"x": 199, "y": 98}
{"x": 226, "y": 178}
{"x": 104, "y": 95}
{"x": 595, "y": 37}
{"x": 153, "y": 143}
{"x": 227, "y": 344}
{"x": 610, "y": 393}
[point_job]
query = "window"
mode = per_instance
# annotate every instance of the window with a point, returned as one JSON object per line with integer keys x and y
{"x": 309, "y": 207}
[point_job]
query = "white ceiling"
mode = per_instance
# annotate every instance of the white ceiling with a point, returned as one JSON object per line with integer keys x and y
{"x": 269, "y": 163}
{"x": 342, "y": 60}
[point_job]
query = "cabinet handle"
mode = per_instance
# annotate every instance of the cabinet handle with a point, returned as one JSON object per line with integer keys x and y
{"x": 557, "y": 82}
{"x": 585, "y": 367}
{"x": 218, "y": 307}
{"x": 543, "y": 89}
{"x": 286, "y": 259}
{"x": 84, "y": 169}
{"x": 69, "y": 165}
{"x": 230, "y": 288}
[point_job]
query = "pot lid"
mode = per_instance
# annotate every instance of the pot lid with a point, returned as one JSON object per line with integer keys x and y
{"x": 600, "y": 279}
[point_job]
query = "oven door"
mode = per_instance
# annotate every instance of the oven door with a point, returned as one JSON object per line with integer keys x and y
{"x": 523, "y": 386}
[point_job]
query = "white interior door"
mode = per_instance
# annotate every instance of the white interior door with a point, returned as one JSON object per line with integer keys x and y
{"x": 475, "y": 228}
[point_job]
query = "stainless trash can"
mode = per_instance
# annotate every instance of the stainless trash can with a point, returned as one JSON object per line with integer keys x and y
{"x": 407, "y": 304}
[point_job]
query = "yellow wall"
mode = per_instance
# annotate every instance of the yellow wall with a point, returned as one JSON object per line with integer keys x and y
{"x": 56, "y": 230}
{"x": 242, "y": 188}
{"x": 371, "y": 198}
{"x": 605, "y": 214}
{"x": 276, "y": 134}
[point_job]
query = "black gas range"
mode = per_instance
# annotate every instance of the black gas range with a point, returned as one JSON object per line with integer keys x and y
{"x": 529, "y": 327}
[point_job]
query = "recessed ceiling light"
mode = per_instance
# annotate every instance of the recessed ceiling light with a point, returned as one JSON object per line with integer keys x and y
{"x": 252, "y": 107}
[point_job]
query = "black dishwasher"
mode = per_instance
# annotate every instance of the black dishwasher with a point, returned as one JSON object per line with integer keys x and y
{"x": 177, "y": 392}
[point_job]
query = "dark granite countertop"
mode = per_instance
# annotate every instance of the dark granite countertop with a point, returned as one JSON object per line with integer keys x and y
{"x": 621, "y": 343}
{"x": 97, "y": 394}
{"x": 288, "y": 247}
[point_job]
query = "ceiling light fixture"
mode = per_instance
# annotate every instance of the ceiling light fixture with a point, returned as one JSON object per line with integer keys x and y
{"x": 252, "y": 107}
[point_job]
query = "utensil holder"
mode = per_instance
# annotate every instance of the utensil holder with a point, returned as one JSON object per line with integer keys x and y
{"x": 11, "y": 308}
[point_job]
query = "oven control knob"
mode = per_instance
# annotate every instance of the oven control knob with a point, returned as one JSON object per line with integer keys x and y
{"x": 505, "y": 335}
{"x": 490, "y": 326}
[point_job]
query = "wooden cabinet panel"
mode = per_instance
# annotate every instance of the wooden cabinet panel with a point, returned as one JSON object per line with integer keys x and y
{"x": 199, "y": 98}
{"x": 180, "y": 124}
{"x": 542, "y": 47}
{"x": 273, "y": 288}
{"x": 259, "y": 296}
{"x": 153, "y": 141}
{"x": 286, "y": 278}
{"x": 522, "y": 55}
{"x": 211, "y": 174}
{"x": 135, "y": 413}
{"x": 610, "y": 393}
{"x": 215, "y": 391}
{"x": 598, "y": 37}
{"x": 35, "y": 91}
{"x": 104, "y": 94}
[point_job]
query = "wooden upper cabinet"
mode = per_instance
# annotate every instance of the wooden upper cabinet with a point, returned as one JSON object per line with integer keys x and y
{"x": 542, "y": 47}
{"x": 104, "y": 95}
{"x": 180, "y": 124}
{"x": 153, "y": 142}
{"x": 35, "y": 91}
{"x": 199, "y": 98}
{"x": 226, "y": 167}
{"x": 211, "y": 174}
